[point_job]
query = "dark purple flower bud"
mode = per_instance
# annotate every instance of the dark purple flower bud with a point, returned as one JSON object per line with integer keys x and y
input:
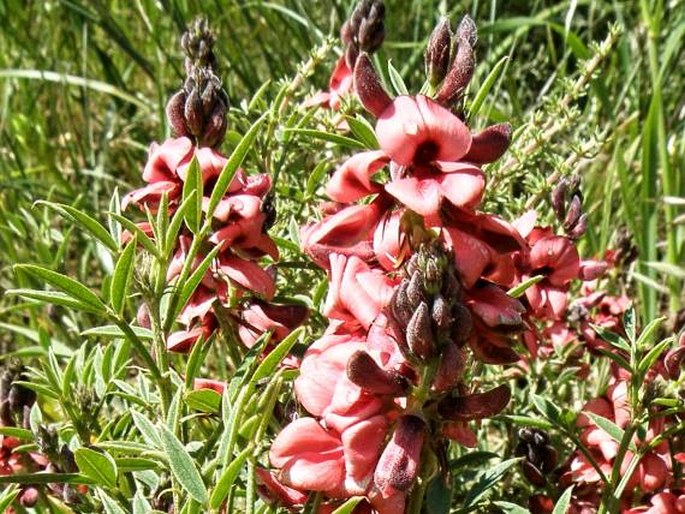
{"x": 489, "y": 144}
{"x": 402, "y": 309}
{"x": 441, "y": 313}
{"x": 351, "y": 55}
{"x": 367, "y": 374}
{"x": 540, "y": 458}
{"x": 579, "y": 229}
{"x": 6, "y": 417}
{"x": 20, "y": 396}
{"x": 415, "y": 290}
{"x": 559, "y": 198}
{"x": 29, "y": 497}
{"x": 459, "y": 75}
{"x": 475, "y": 406}
{"x": 175, "y": 113}
{"x": 437, "y": 56}
{"x": 674, "y": 362}
{"x": 368, "y": 87}
{"x": 420, "y": 333}
{"x": 591, "y": 270}
{"x": 192, "y": 110}
{"x": 346, "y": 34}
{"x": 575, "y": 209}
{"x": 450, "y": 368}
{"x": 399, "y": 463}
{"x": 467, "y": 31}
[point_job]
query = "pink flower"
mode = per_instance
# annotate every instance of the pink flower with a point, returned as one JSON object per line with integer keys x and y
{"x": 341, "y": 83}
{"x": 258, "y": 317}
{"x": 418, "y": 130}
{"x": 313, "y": 458}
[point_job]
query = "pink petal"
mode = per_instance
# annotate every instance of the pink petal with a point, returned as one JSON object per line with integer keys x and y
{"x": 302, "y": 435}
{"x": 164, "y": 159}
{"x": 464, "y": 188}
{"x": 352, "y": 181}
{"x": 362, "y": 444}
{"x": 448, "y": 131}
{"x": 421, "y": 196}
{"x": 249, "y": 275}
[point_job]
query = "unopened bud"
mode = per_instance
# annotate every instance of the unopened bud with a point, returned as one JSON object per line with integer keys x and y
{"x": 489, "y": 144}
{"x": 372, "y": 28}
{"x": 441, "y": 313}
{"x": 475, "y": 406}
{"x": 367, "y": 374}
{"x": 29, "y": 497}
{"x": 175, "y": 114}
{"x": 591, "y": 270}
{"x": 368, "y": 87}
{"x": 463, "y": 65}
{"x": 420, "y": 333}
{"x": 559, "y": 198}
{"x": 400, "y": 306}
{"x": 539, "y": 457}
{"x": 437, "y": 56}
{"x": 398, "y": 465}
{"x": 467, "y": 31}
{"x": 575, "y": 209}
{"x": 674, "y": 361}
{"x": 579, "y": 228}
{"x": 415, "y": 290}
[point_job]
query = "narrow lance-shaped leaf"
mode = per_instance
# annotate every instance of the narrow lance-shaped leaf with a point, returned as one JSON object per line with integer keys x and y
{"x": 232, "y": 165}
{"x": 70, "y": 287}
{"x": 192, "y": 192}
{"x": 183, "y": 467}
{"x": 86, "y": 222}
{"x": 100, "y": 467}
{"x": 123, "y": 271}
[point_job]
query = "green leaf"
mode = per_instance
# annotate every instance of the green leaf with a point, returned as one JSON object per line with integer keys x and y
{"x": 548, "y": 409}
{"x": 183, "y": 467}
{"x": 100, "y": 467}
{"x": 149, "y": 432}
{"x": 18, "y": 433}
{"x": 274, "y": 358}
{"x": 193, "y": 281}
{"x": 328, "y": 136}
{"x": 651, "y": 357}
{"x": 511, "y": 508}
{"x": 192, "y": 192}
{"x": 205, "y": 400}
{"x": 225, "y": 482}
{"x": 564, "y": 502}
{"x": 526, "y": 421}
{"x": 234, "y": 161}
{"x": 89, "y": 224}
{"x": 114, "y": 332}
{"x": 136, "y": 231}
{"x": 486, "y": 480}
{"x": 485, "y": 88}
{"x": 349, "y": 506}
{"x": 121, "y": 278}
{"x": 613, "y": 430}
{"x": 8, "y": 496}
{"x": 46, "y": 478}
{"x": 130, "y": 464}
{"x": 517, "y": 291}
{"x": 66, "y": 285}
{"x": 110, "y": 506}
{"x": 140, "y": 504}
{"x": 396, "y": 80}
{"x": 438, "y": 496}
{"x": 315, "y": 178}
{"x": 363, "y": 131}
{"x": 613, "y": 339}
{"x": 648, "y": 333}
{"x": 629, "y": 323}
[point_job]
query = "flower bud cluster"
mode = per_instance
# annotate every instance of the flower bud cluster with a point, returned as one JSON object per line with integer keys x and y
{"x": 539, "y": 456}
{"x": 236, "y": 289}
{"x": 198, "y": 110}
{"x": 364, "y": 31}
